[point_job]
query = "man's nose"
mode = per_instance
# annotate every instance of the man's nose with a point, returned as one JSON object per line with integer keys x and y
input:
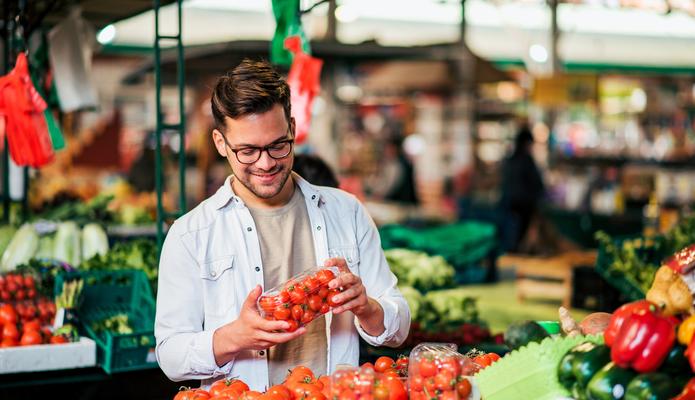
{"x": 265, "y": 162}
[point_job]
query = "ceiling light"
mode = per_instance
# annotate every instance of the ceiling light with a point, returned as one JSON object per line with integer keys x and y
{"x": 106, "y": 35}
{"x": 538, "y": 53}
{"x": 346, "y": 14}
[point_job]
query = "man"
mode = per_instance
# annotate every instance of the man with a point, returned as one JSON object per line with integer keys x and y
{"x": 264, "y": 225}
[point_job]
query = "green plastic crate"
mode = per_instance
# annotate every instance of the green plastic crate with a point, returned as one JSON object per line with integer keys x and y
{"x": 463, "y": 244}
{"x": 107, "y": 293}
{"x": 651, "y": 253}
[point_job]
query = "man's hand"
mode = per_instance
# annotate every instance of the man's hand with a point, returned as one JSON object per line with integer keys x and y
{"x": 249, "y": 332}
{"x": 354, "y": 298}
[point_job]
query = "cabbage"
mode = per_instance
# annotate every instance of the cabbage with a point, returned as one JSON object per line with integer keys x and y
{"x": 414, "y": 299}
{"x": 94, "y": 241}
{"x": 66, "y": 246}
{"x": 420, "y": 270}
{"x": 21, "y": 249}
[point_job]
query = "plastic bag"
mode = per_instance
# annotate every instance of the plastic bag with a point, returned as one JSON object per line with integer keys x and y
{"x": 23, "y": 109}
{"x": 304, "y": 79}
{"x": 438, "y": 371}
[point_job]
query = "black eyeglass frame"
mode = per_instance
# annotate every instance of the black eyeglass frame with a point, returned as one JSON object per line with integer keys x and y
{"x": 260, "y": 150}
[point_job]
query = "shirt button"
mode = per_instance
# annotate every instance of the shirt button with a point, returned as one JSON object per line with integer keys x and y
{"x": 261, "y": 353}
{"x": 258, "y": 269}
{"x": 313, "y": 197}
{"x": 213, "y": 273}
{"x": 318, "y": 228}
{"x": 249, "y": 229}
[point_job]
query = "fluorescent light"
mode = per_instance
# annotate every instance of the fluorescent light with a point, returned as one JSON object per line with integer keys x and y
{"x": 106, "y": 35}
{"x": 538, "y": 53}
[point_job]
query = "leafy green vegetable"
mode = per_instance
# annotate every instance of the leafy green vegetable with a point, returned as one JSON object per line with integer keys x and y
{"x": 118, "y": 323}
{"x": 137, "y": 254}
{"x": 415, "y": 301}
{"x": 420, "y": 270}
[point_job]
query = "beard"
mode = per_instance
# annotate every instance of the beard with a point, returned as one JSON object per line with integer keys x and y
{"x": 265, "y": 190}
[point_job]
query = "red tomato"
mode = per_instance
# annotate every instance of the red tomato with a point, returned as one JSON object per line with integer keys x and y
{"x": 308, "y": 317}
{"x": 32, "y": 325}
{"x": 416, "y": 383}
{"x": 8, "y": 315}
{"x": 402, "y": 363}
{"x": 293, "y": 325}
{"x": 324, "y": 309}
{"x": 297, "y": 312}
{"x": 282, "y": 312}
{"x": 330, "y": 299}
{"x": 367, "y": 366}
{"x": 396, "y": 389}
{"x": 58, "y": 339}
{"x": 463, "y": 388}
{"x": 284, "y": 296}
{"x": 311, "y": 284}
{"x": 192, "y": 394}
{"x": 448, "y": 395}
{"x": 7, "y": 342}
{"x": 427, "y": 368}
{"x": 444, "y": 380}
{"x": 269, "y": 303}
{"x": 315, "y": 302}
{"x": 4, "y": 295}
{"x": 21, "y": 294}
{"x": 451, "y": 365}
{"x": 323, "y": 292}
{"x": 324, "y": 276}
{"x": 380, "y": 393}
{"x": 485, "y": 360}
{"x": 384, "y": 363}
{"x": 297, "y": 295}
{"x": 30, "y": 338}
{"x": 235, "y": 385}
{"x": 301, "y": 374}
{"x": 250, "y": 395}
{"x": 281, "y": 392}
{"x": 10, "y": 332}
{"x": 28, "y": 281}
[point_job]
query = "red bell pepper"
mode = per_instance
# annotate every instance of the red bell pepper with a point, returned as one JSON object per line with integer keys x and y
{"x": 618, "y": 319}
{"x": 644, "y": 341}
{"x": 688, "y": 392}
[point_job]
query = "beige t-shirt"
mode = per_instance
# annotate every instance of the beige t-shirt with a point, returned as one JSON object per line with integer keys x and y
{"x": 287, "y": 248}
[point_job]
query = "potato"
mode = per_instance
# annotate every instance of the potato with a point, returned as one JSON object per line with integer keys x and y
{"x": 595, "y": 323}
{"x": 679, "y": 295}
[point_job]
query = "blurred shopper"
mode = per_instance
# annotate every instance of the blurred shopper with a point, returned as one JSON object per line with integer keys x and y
{"x": 522, "y": 185}
{"x": 314, "y": 170}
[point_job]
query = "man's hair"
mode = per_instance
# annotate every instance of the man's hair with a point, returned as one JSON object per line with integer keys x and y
{"x": 252, "y": 87}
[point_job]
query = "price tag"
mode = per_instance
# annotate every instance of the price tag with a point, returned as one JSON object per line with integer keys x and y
{"x": 59, "y": 318}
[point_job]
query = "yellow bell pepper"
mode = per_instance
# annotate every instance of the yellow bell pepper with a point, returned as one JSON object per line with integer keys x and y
{"x": 686, "y": 330}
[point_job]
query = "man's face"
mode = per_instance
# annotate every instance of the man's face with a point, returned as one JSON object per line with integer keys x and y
{"x": 266, "y": 177}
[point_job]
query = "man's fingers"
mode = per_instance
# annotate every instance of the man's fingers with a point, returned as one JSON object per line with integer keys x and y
{"x": 348, "y": 294}
{"x": 270, "y": 326}
{"x": 345, "y": 279}
{"x": 276, "y": 338}
{"x": 337, "y": 262}
{"x": 253, "y": 296}
{"x": 357, "y": 302}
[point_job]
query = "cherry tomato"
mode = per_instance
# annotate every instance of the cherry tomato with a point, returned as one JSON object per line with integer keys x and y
{"x": 451, "y": 365}
{"x": 427, "y": 368}
{"x": 269, "y": 303}
{"x": 293, "y": 325}
{"x": 7, "y": 342}
{"x": 282, "y": 312}
{"x": 448, "y": 395}
{"x": 463, "y": 388}
{"x": 444, "y": 380}
{"x": 297, "y": 312}
{"x": 323, "y": 292}
{"x": 324, "y": 276}
{"x": 58, "y": 339}
{"x": 311, "y": 284}
{"x": 30, "y": 338}
{"x": 297, "y": 295}
{"x": 284, "y": 296}
{"x": 330, "y": 299}
{"x": 8, "y": 315}
{"x": 315, "y": 302}
{"x": 380, "y": 393}
{"x": 384, "y": 363}
{"x": 402, "y": 363}
{"x": 32, "y": 325}
{"x": 324, "y": 308}
{"x": 10, "y": 332}
{"x": 308, "y": 316}
{"x": 416, "y": 383}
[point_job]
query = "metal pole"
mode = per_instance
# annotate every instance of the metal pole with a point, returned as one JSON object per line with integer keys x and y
{"x": 182, "y": 117}
{"x": 332, "y": 29}
{"x": 158, "y": 129}
{"x": 555, "y": 63}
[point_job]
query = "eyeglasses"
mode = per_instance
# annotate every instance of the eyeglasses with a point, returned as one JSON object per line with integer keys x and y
{"x": 250, "y": 154}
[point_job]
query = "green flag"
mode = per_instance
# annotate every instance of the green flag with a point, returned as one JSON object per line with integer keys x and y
{"x": 288, "y": 23}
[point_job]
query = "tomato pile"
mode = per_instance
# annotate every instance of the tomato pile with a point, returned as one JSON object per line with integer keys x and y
{"x": 437, "y": 372}
{"x": 17, "y": 287}
{"x": 366, "y": 383}
{"x": 301, "y": 299}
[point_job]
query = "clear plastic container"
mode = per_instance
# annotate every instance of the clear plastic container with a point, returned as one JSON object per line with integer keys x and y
{"x": 301, "y": 299}
{"x": 438, "y": 371}
{"x": 365, "y": 384}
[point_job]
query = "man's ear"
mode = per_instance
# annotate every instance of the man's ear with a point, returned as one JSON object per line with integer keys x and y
{"x": 218, "y": 139}
{"x": 293, "y": 127}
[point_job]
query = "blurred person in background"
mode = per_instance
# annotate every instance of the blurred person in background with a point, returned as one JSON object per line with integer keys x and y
{"x": 314, "y": 170}
{"x": 522, "y": 185}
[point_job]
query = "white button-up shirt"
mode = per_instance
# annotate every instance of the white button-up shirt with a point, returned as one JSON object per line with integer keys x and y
{"x": 211, "y": 260}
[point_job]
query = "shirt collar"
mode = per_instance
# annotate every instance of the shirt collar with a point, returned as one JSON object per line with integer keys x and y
{"x": 225, "y": 194}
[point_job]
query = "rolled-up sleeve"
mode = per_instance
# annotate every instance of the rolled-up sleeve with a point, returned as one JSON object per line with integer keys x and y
{"x": 381, "y": 284}
{"x": 184, "y": 350}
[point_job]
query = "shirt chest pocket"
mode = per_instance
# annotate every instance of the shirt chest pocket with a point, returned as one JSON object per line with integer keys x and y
{"x": 219, "y": 296}
{"x": 350, "y": 253}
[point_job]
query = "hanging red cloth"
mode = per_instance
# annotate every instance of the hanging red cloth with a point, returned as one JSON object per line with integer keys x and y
{"x": 304, "y": 79}
{"x": 22, "y": 108}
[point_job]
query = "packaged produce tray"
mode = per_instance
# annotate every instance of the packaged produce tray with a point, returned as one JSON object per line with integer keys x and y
{"x": 109, "y": 293}
{"x": 529, "y": 372}
{"x": 48, "y": 357}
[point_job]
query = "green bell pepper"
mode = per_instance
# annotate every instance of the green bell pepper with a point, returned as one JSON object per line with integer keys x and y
{"x": 676, "y": 364}
{"x": 652, "y": 386}
{"x": 610, "y": 383}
